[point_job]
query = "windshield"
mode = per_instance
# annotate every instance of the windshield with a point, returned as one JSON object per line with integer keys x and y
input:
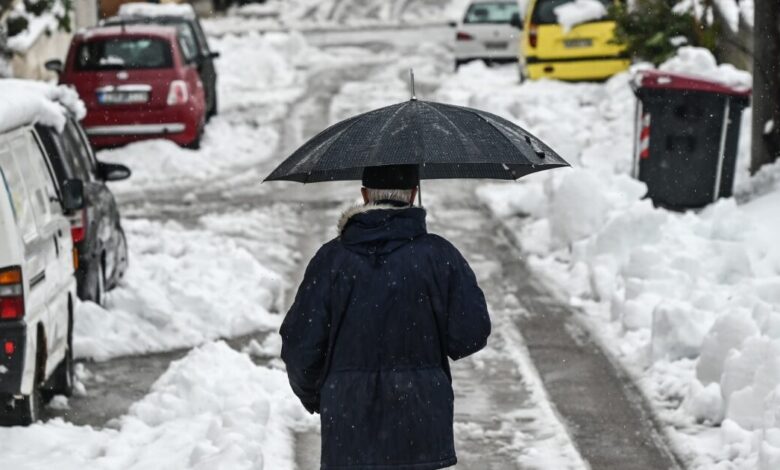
{"x": 124, "y": 53}
{"x": 544, "y": 10}
{"x": 497, "y": 12}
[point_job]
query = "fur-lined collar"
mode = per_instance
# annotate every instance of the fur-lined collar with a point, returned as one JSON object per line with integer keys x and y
{"x": 362, "y": 208}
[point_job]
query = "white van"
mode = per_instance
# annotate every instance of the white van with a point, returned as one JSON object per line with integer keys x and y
{"x": 37, "y": 283}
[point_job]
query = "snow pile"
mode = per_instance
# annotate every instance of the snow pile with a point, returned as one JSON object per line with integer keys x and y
{"x": 28, "y": 102}
{"x": 275, "y": 15}
{"x": 701, "y": 63}
{"x": 151, "y": 10}
{"x": 259, "y": 69}
{"x": 690, "y": 303}
{"x": 211, "y": 409}
{"x": 731, "y": 11}
{"x": 160, "y": 164}
{"x": 577, "y": 12}
{"x": 180, "y": 290}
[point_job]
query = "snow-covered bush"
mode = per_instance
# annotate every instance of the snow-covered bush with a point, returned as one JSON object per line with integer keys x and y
{"x": 653, "y": 30}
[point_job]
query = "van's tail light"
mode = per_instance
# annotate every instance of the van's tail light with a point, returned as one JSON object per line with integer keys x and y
{"x": 78, "y": 225}
{"x": 461, "y": 36}
{"x": 11, "y": 295}
{"x": 178, "y": 93}
{"x": 533, "y": 35}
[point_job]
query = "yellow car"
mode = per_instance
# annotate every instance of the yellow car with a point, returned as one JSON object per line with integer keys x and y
{"x": 584, "y": 52}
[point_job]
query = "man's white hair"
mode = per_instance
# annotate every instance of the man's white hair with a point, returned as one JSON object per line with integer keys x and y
{"x": 399, "y": 195}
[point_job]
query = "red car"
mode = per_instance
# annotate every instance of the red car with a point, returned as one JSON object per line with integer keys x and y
{"x": 138, "y": 82}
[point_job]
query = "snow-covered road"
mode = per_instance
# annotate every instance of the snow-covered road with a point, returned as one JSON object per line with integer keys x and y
{"x": 215, "y": 254}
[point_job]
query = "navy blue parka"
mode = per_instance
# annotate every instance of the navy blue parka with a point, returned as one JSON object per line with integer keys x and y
{"x": 366, "y": 342}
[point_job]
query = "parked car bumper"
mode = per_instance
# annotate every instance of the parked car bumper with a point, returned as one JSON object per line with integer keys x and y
{"x": 115, "y": 127}
{"x": 579, "y": 69}
{"x": 12, "y": 366}
{"x": 476, "y": 52}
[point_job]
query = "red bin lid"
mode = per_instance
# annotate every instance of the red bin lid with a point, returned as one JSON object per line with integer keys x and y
{"x": 658, "y": 79}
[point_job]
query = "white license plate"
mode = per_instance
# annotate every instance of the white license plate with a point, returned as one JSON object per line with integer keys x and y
{"x": 575, "y": 43}
{"x": 123, "y": 97}
{"x": 496, "y": 45}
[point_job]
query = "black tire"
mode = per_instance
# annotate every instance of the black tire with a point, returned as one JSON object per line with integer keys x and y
{"x": 213, "y": 110}
{"x": 123, "y": 260}
{"x": 195, "y": 144}
{"x": 99, "y": 296}
{"x": 521, "y": 74}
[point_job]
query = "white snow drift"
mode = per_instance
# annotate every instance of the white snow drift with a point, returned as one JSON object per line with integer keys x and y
{"x": 181, "y": 290}
{"x": 689, "y": 302}
{"x": 30, "y": 102}
{"x": 213, "y": 409}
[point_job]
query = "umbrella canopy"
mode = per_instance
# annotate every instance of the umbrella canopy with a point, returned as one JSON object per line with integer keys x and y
{"x": 446, "y": 141}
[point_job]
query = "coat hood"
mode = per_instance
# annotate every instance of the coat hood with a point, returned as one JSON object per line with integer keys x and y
{"x": 379, "y": 229}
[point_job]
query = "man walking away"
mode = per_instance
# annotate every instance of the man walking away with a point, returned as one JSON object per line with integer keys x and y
{"x": 380, "y": 309}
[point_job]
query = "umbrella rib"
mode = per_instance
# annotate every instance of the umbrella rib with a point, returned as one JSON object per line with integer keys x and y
{"x": 491, "y": 125}
{"x": 327, "y": 146}
{"x": 381, "y": 132}
{"x": 455, "y": 127}
{"x": 497, "y": 130}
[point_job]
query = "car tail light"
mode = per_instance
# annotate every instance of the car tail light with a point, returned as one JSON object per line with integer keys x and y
{"x": 11, "y": 295}
{"x": 9, "y": 347}
{"x": 178, "y": 93}
{"x": 461, "y": 36}
{"x": 78, "y": 226}
{"x": 533, "y": 35}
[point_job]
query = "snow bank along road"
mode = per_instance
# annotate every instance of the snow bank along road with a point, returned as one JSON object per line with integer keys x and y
{"x": 217, "y": 255}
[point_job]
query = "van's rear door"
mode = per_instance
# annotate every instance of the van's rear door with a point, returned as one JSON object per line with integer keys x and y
{"x": 585, "y": 40}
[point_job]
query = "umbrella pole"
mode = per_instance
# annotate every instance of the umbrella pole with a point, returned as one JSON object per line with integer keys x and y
{"x": 411, "y": 84}
{"x": 419, "y": 194}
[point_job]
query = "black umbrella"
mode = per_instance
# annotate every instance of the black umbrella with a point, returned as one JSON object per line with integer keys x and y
{"x": 446, "y": 141}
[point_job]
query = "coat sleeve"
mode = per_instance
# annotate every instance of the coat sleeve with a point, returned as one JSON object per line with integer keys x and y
{"x": 468, "y": 322}
{"x": 305, "y": 332}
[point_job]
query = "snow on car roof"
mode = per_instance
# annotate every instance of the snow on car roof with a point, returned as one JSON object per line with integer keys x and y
{"x": 30, "y": 102}
{"x": 151, "y": 9}
{"x": 128, "y": 30}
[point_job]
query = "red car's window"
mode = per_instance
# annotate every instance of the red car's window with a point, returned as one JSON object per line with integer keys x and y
{"x": 124, "y": 53}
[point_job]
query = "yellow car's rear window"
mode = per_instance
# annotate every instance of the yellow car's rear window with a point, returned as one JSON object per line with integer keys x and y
{"x": 544, "y": 10}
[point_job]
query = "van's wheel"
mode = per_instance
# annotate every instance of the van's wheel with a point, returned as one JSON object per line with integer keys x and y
{"x": 62, "y": 379}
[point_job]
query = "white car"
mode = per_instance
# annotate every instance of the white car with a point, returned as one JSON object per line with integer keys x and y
{"x": 489, "y": 31}
{"x": 37, "y": 283}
